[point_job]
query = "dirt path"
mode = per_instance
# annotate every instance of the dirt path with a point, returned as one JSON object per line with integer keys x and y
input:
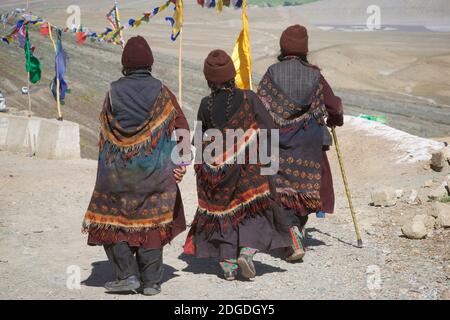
{"x": 42, "y": 203}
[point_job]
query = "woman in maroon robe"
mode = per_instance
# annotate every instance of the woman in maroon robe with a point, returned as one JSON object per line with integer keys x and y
{"x": 237, "y": 215}
{"x": 299, "y": 99}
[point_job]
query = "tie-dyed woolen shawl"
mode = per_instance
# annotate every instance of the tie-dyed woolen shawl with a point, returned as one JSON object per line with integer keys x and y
{"x": 135, "y": 190}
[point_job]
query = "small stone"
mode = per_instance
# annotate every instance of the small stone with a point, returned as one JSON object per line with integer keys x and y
{"x": 438, "y": 193}
{"x": 443, "y": 217}
{"x": 446, "y": 152}
{"x": 384, "y": 197}
{"x": 428, "y": 184}
{"x": 437, "y": 161}
{"x": 413, "y": 199}
{"x": 438, "y": 207}
{"x": 399, "y": 193}
{"x": 445, "y": 295}
{"x": 415, "y": 229}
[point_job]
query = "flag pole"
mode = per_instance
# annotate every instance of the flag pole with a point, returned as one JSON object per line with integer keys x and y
{"x": 28, "y": 82}
{"x": 180, "y": 69}
{"x": 28, "y": 92}
{"x": 58, "y": 84}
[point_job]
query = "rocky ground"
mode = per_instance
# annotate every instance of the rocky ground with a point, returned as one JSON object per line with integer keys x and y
{"x": 42, "y": 203}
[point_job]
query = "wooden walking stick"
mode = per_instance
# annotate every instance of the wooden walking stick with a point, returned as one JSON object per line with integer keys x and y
{"x": 180, "y": 69}
{"x": 347, "y": 189}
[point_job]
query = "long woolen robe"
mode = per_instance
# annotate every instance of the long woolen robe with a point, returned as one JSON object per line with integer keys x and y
{"x": 136, "y": 198}
{"x": 236, "y": 203}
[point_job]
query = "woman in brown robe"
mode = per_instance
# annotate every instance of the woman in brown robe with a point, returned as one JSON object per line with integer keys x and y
{"x": 237, "y": 215}
{"x": 136, "y": 206}
{"x": 300, "y": 100}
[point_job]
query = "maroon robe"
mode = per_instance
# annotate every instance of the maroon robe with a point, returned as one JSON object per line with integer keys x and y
{"x": 335, "y": 118}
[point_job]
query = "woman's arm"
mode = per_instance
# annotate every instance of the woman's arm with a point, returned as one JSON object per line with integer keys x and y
{"x": 333, "y": 104}
{"x": 180, "y": 123}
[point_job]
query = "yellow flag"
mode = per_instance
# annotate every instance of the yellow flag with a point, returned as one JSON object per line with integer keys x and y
{"x": 178, "y": 19}
{"x": 242, "y": 55}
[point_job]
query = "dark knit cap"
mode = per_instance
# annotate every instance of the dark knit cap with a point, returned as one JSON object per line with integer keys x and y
{"x": 219, "y": 67}
{"x": 294, "y": 40}
{"x": 137, "y": 54}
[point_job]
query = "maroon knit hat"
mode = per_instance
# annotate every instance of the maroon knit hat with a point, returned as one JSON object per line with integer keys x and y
{"x": 137, "y": 54}
{"x": 219, "y": 67}
{"x": 294, "y": 40}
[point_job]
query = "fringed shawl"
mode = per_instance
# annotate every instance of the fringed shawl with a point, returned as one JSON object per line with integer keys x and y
{"x": 228, "y": 193}
{"x": 298, "y": 180}
{"x": 135, "y": 190}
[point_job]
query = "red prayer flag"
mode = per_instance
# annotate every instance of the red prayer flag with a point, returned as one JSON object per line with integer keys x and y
{"x": 44, "y": 29}
{"x": 81, "y": 37}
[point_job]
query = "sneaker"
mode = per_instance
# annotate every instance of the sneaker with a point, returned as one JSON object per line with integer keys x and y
{"x": 130, "y": 284}
{"x": 247, "y": 267}
{"x": 152, "y": 290}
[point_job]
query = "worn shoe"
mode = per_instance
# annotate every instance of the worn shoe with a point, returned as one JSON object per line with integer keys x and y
{"x": 152, "y": 290}
{"x": 130, "y": 284}
{"x": 247, "y": 267}
{"x": 298, "y": 248}
{"x": 230, "y": 275}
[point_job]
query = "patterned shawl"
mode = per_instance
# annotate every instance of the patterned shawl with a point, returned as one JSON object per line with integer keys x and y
{"x": 229, "y": 193}
{"x": 301, "y": 134}
{"x": 135, "y": 190}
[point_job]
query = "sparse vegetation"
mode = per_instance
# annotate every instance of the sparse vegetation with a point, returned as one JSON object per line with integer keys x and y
{"x": 445, "y": 199}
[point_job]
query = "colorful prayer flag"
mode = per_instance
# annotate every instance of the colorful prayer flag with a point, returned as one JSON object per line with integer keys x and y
{"x": 44, "y": 29}
{"x": 60, "y": 70}
{"x": 242, "y": 55}
{"x": 33, "y": 65}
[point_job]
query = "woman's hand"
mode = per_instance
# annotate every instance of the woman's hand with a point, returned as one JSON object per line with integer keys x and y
{"x": 179, "y": 173}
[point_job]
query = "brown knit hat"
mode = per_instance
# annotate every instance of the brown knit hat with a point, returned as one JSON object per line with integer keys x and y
{"x": 137, "y": 54}
{"x": 219, "y": 67}
{"x": 294, "y": 40}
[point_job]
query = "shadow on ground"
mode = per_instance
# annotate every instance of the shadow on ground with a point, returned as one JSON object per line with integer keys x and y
{"x": 312, "y": 230}
{"x": 211, "y": 266}
{"x": 102, "y": 272}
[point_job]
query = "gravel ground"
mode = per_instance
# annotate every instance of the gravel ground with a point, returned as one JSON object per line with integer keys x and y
{"x": 42, "y": 203}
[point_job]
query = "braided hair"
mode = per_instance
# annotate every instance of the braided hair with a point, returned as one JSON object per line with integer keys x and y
{"x": 229, "y": 88}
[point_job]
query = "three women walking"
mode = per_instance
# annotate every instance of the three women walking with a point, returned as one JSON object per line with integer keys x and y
{"x": 136, "y": 207}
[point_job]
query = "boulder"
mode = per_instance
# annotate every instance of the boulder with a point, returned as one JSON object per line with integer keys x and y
{"x": 384, "y": 197}
{"x": 415, "y": 228}
{"x": 427, "y": 220}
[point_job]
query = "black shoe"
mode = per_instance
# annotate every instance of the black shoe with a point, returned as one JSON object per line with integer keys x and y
{"x": 151, "y": 290}
{"x": 247, "y": 267}
{"x": 130, "y": 284}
